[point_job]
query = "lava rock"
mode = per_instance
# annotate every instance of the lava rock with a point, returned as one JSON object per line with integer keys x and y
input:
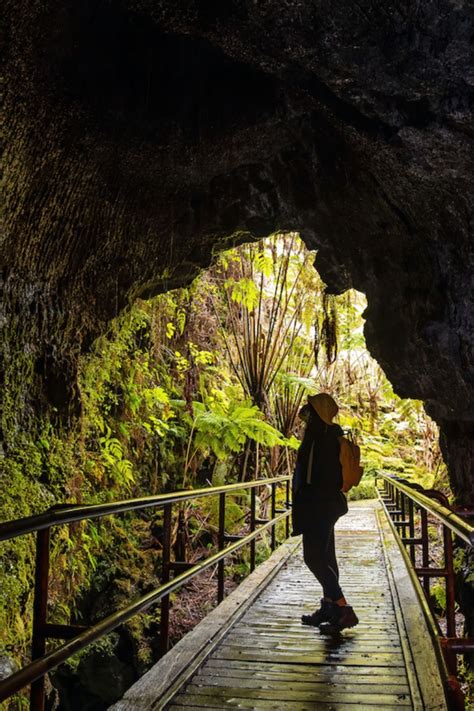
{"x": 143, "y": 136}
{"x": 7, "y": 667}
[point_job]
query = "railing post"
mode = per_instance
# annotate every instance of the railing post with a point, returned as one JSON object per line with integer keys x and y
{"x": 253, "y": 502}
{"x": 403, "y": 511}
{"x": 220, "y": 565}
{"x": 411, "y": 530}
{"x": 165, "y": 576}
{"x": 450, "y": 584}
{"x": 425, "y": 550}
{"x": 273, "y": 514}
{"x": 287, "y": 519}
{"x": 180, "y": 544}
{"x": 40, "y": 612}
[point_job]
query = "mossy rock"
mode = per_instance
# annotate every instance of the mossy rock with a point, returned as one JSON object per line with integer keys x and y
{"x": 98, "y": 679}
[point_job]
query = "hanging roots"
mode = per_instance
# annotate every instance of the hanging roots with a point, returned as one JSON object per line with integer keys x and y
{"x": 328, "y": 331}
{"x": 317, "y": 340}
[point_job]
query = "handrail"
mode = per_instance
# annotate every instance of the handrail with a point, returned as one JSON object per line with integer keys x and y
{"x": 401, "y": 499}
{"x": 70, "y": 513}
{"x": 50, "y": 661}
{"x": 459, "y": 526}
{"x": 79, "y": 637}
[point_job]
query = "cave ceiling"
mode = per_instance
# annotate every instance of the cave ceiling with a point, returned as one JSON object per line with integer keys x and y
{"x": 143, "y": 136}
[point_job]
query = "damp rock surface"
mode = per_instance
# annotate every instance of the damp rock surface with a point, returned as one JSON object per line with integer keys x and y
{"x": 143, "y": 136}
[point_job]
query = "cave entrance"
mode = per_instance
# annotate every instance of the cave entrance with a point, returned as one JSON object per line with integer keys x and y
{"x": 203, "y": 384}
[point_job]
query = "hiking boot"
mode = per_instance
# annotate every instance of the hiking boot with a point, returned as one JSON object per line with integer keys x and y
{"x": 342, "y": 617}
{"x": 322, "y": 615}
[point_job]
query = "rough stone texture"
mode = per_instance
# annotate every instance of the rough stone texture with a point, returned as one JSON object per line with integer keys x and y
{"x": 143, "y": 135}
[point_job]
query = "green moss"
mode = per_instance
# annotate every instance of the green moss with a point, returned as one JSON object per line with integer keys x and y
{"x": 365, "y": 490}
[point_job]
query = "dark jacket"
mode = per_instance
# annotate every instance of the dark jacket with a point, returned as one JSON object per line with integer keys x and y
{"x": 317, "y": 481}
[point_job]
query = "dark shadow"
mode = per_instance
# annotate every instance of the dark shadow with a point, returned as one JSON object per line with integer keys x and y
{"x": 128, "y": 74}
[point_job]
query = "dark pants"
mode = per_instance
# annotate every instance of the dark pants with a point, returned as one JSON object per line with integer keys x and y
{"x": 319, "y": 553}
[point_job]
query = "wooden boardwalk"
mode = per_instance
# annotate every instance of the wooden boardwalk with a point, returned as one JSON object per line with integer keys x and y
{"x": 268, "y": 660}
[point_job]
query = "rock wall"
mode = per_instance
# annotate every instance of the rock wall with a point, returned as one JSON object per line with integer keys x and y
{"x": 142, "y": 136}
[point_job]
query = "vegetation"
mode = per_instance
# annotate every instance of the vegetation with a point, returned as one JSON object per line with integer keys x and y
{"x": 198, "y": 386}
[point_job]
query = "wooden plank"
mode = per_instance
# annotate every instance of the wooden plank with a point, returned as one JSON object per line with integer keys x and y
{"x": 423, "y": 665}
{"x": 311, "y": 646}
{"x": 262, "y": 681}
{"x": 280, "y": 622}
{"x": 370, "y": 631}
{"x": 288, "y": 707}
{"x": 295, "y": 650}
{"x": 368, "y": 616}
{"x": 290, "y": 694}
{"x": 411, "y": 675}
{"x": 379, "y": 660}
{"x": 201, "y": 701}
{"x": 194, "y": 704}
{"x": 378, "y": 674}
{"x": 364, "y": 632}
{"x": 311, "y": 635}
{"x": 297, "y": 642}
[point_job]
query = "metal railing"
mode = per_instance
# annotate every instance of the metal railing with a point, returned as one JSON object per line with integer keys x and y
{"x": 410, "y": 509}
{"x": 79, "y": 636}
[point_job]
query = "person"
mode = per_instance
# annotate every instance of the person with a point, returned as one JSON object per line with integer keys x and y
{"x": 318, "y": 502}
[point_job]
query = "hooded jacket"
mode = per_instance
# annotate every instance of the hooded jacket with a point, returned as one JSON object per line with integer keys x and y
{"x": 317, "y": 481}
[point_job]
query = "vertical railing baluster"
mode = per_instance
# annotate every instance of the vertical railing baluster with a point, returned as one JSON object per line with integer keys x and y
{"x": 165, "y": 576}
{"x": 425, "y": 556}
{"x": 273, "y": 514}
{"x": 411, "y": 529}
{"x": 287, "y": 519}
{"x": 221, "y": 542}
{"x": 403, "y": 512}
{"x": 450, "y": 584}
{"x": 253, "y": 502}
{"x": 180, "y": 543}
{"x": 40, "y": 613}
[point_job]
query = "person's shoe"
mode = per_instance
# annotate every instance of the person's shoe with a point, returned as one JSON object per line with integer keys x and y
{"x": 316, "y": 618}
{"x": 342, "y": 617}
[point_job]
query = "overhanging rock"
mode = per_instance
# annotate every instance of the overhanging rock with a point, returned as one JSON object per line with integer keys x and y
{"x": 142, "y": 136}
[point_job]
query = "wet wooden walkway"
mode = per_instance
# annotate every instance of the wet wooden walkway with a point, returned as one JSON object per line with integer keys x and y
{"x": 268, "y": 660}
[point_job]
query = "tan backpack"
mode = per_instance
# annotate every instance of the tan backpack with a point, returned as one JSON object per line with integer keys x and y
{"x": 349, "y": 456}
